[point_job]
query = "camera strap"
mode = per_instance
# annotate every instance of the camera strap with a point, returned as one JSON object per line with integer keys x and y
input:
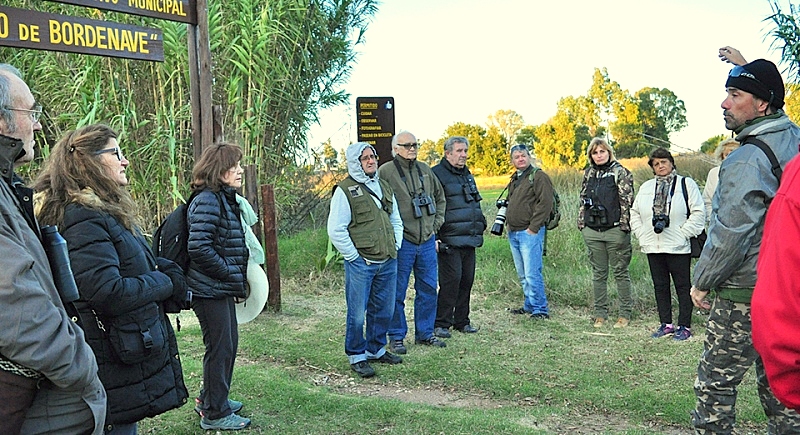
{"x": 412, "y": 191}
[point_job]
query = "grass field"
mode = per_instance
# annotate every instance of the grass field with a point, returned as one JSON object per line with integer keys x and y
{"x": 516, "y": 376}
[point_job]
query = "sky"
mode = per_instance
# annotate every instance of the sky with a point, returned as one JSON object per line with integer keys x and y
{"x": 447, "y": 61}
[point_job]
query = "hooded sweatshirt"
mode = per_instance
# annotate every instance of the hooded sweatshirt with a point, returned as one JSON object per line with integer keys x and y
{"x": 340, "y": 216}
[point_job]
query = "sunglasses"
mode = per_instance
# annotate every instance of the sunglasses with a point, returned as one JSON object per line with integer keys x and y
{"x": 408, "y": 146}
{"x": 739, "y": 71}
{"x": 116, "y": 150}
{"x": 519, "y": 148}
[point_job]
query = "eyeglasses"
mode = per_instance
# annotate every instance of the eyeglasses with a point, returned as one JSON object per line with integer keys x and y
{"x": 408, "y": 146}
{"x": 34, "y": 113}
{"x": 115, "y": 150}
{"x": 368, "y": 158}
{"x": 519, "y": 147}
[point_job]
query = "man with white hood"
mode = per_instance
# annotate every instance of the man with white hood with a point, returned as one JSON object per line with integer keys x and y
{"x": 364, "y": 225}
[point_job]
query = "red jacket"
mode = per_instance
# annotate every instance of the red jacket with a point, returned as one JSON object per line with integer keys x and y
{"x": 776, "y": 300}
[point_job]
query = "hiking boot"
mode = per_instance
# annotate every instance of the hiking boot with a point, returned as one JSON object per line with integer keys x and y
{"x": 682, "y": 333}
{"x": 229, "y": 422}
{"x": 442, "y": 332}
{"x": 663, "y": 330}
{"x": 621, "y": 323}
{"x": 598, "y": 322}
{"x": 387, "y": 358}
{"x": 363, "y": 369}
{"x": 468, "y": 329}
{"x": 540, "y": 316}
{"x": 432, "y": 341}
{"x": 235, "y": 406}
{"x": 518, "y": 311}
{"x": 398, "y": 347}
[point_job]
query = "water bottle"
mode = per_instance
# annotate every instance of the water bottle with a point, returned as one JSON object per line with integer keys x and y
{"x": 56, "y": 248}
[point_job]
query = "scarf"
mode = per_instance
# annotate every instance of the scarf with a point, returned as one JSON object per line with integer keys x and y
{"x": 663, "y": 186}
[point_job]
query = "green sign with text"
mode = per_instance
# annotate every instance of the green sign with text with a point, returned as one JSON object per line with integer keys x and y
{"x": 184, "y": 11}
{"x": 42, "y": 31}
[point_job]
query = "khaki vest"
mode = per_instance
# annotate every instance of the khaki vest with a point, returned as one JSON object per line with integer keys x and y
{"x": 370, "y": 229}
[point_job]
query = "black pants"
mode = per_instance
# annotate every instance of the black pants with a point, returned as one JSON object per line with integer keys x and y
{"x": 456, "y": 275}
{"x": 221, "y": 337}
{"x": 662, "y": 266}
{"x": 16, "y": 396}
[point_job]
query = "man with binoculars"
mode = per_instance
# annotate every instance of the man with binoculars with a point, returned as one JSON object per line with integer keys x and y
{"x": 421, "y": 201}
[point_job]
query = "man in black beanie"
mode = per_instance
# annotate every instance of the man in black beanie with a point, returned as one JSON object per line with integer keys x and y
{"x": 727, "y": 265}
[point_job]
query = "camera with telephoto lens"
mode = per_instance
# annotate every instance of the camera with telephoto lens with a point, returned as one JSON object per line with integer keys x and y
{"x": 660, "y": 221}
{"x": 500, "y": 220}
{"x": 423, "y": 200}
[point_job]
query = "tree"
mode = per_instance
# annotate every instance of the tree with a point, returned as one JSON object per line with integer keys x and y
{"x": 527, "y": 135}
{"x": 508, "y": 123}
{"x": 792, "y": 100}
{"x": 562, "y": 142}
{"x": 661, "y": 112}
{"x": 428, "y": 153}
{"x": 329, "y": 155}
{"x": 473, "y": 133}
{"x": 786, "y": 35}
{"x": 710, "y": 145}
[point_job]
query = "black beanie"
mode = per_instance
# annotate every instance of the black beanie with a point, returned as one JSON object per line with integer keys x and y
{"x": 765, "y": 78}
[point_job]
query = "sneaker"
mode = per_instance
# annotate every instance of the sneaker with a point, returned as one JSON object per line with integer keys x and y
{"x": 363, "y": 369}
{"x": 468, "y": 329}
{"x": 621, "y": 323}
{"x": 398, "y": 347}
{"x": 432, "y": 341}
{"x": 518, "y": 311}
{"x": 598, "y": 322}
{"x": 663, "y": 330}
{"x": 442, "y": 332}
{"x": 387, "y": 358}
{"x": 229, "y": 422}
{"x": 682, "y": 333}
{"x": 540, "y": 316}
{"x": 235, "y": 406}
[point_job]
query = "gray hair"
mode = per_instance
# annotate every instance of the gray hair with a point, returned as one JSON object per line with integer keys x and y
{"x": 452, "y": 140}
{"x": 520, "y": 147}
{"x": 5, "y": 95}
{"x": 394, "y": 140}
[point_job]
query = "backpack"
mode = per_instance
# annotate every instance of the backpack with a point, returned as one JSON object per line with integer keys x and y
{"x": 171, "y": 239}
{"x": 555, "y": 213}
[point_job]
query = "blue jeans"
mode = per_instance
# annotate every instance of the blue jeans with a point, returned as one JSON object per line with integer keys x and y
{"x": 527, "y": 252}
{"x": 422, "y": 259}
{"x": 369, "y": 290}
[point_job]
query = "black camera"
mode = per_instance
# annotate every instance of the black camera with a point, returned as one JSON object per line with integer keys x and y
{"x": 500, "y": 220}
{"x": 660, "y": 221}
{"x": 423, "y": 200}
{"x": 587, "y": 202}
{"x": 471, "y": 191}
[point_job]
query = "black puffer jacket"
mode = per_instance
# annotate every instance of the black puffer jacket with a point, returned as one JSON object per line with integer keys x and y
{"x": 464, "y": 222}
{"x": 115, "y": 271}
{"x": 217, "y": 250}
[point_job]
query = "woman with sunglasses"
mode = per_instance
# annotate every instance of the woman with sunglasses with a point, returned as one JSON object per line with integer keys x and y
{"x": 217, "y": 273}
{"x": 123, "y": 287}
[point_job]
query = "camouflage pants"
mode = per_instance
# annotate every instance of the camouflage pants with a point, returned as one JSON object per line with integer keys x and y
{"x": 728, "y": 353}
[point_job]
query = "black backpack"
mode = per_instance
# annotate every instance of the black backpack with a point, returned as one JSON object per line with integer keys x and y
{"x": 171, "y": 239}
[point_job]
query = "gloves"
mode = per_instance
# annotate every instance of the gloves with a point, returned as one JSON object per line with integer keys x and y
{"x": 175, "y": 274}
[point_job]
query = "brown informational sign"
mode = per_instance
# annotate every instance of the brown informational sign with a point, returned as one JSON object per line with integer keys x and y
{"x": 376, "y": 124}
{"x": 42, "y": 31}
{"x": 184, "y": 11}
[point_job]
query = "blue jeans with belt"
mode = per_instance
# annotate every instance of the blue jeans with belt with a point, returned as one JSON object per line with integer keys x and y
{"x": 527, "y": 252}
{"x": 422, "y": 260}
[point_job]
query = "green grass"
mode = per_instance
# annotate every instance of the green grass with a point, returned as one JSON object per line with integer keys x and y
{"x": 515, "y": 376}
